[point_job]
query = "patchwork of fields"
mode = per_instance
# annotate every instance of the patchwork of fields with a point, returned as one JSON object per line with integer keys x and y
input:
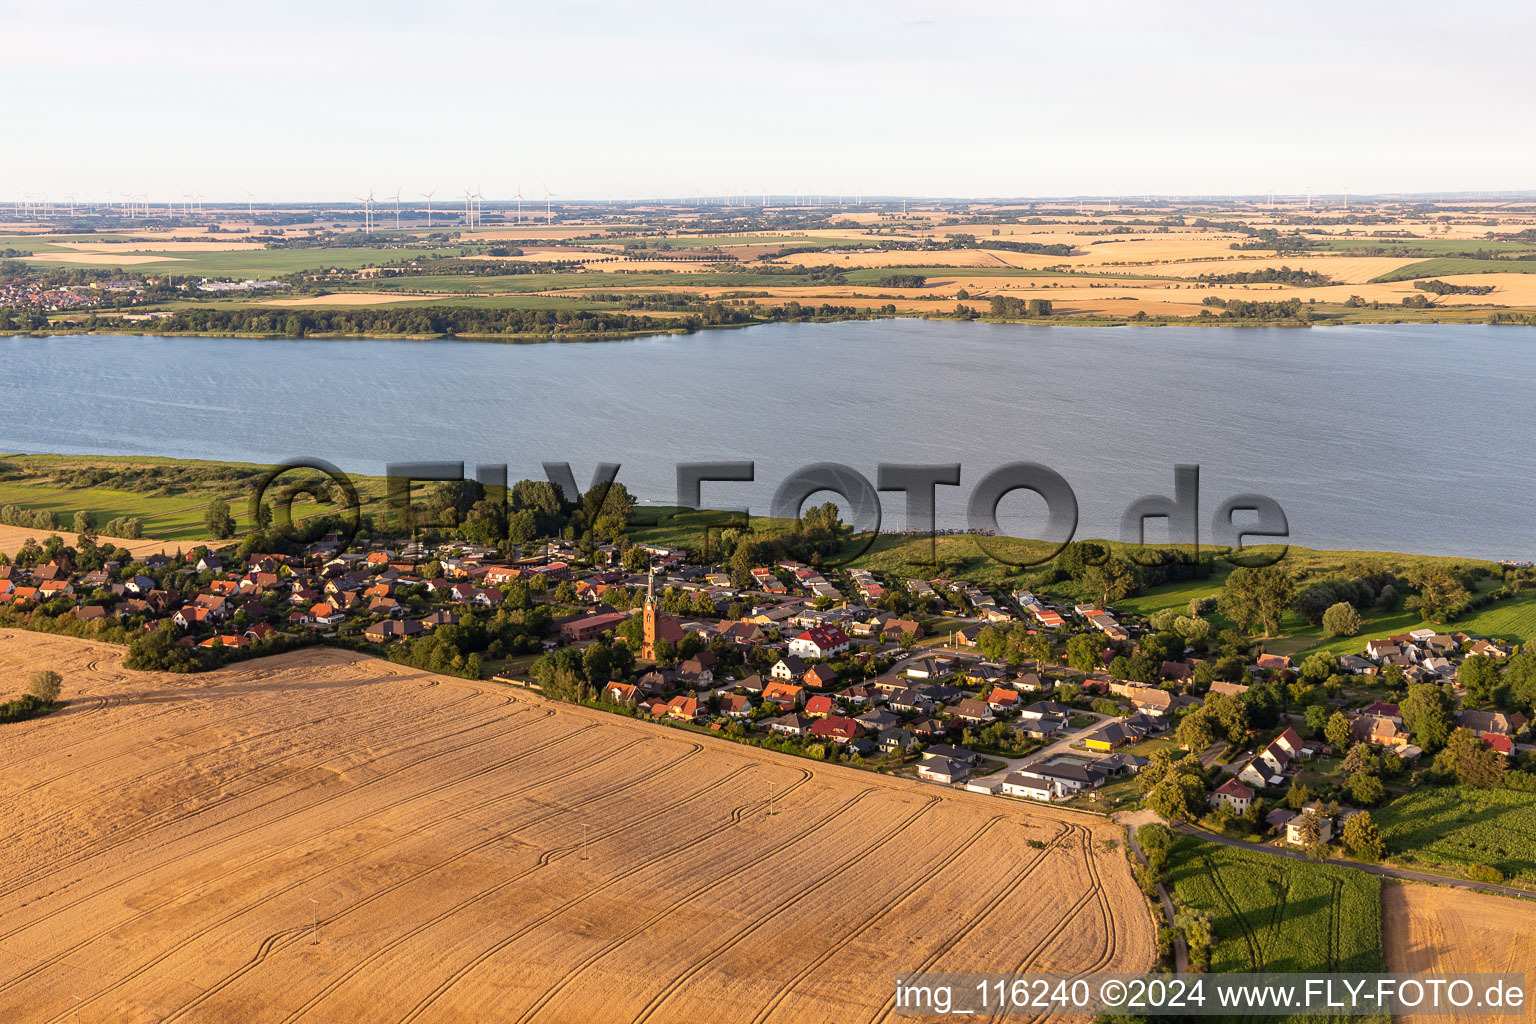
{"x": 327, "y": 837}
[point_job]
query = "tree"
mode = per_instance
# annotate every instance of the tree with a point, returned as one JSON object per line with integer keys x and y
{"x": 1257, "y": 597}
{"x": 1520, "y": 677}
{"x": 1194, "y": 732}
{"x": 221, "y": 525}
{"x": 1111, "y": 581}
{"x": 46, "y": 685}
{"x": 85, "y": 523}
{"x": 1316, "y": 716}
{"x": 1426, "y": 712}
{"x": 1178, "y": 796}
{"x": 1362, "y": 838}
{"x": 1337, "y": 730}
{"x": 1196, "y": 926}
{"x": 1479, "y": 674}
{"x": 1366, "y": 790}
{"x": 1083, "y": 652}
{"x": 1471, "y": 761}
{"x": 1308, "y": 832}
{"x": 1341, "y": 620}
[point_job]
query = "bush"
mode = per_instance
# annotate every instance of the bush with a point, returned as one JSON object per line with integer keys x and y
{"x": 1485, "y": 873}
{"x": 47, "y": 685}
{"x": 1341, "y": 620}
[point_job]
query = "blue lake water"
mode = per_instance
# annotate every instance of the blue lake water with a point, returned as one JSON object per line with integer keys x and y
{"x": 1411, "y": 438}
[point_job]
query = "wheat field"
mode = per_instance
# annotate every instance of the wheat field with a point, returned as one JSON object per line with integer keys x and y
{"x": 322, "y": 836}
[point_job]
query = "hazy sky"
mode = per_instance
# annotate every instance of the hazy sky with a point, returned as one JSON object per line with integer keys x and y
{"x": 321, "y": 100}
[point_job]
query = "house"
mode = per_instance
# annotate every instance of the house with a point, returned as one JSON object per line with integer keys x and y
{"x": 946, "y": 770}
{"x": 903, "y": 629}
{"x": 878, "y": 721}
{"x": 752, "y": 684}
{"x": 1282, "y": 753}
{"x": 392, "y": 629}
{"x": 787, "y": 668}
{"x": 1030, "y": 787}
{"x": 836, "y": 728}
{"x": 685, "y": 709}
{"x": 699, "y": 669}
{"x": 1001, "y": 700}
{"x": 1383, "y": 709}
{"x": 820, "y": 706}
{"x": 1150, "y": 699}
{"x": 1067, "y": 773}
{"x": 819, "y": 677}
{"x": 1224, "y": 689}
{"x": 820, "y": 642}
{"x": 1042, "y": 727}
{"x": 325, "y": 614}
{"x": 1274, "y": 663}
{"x": 1503, "y": 744}
{"x": 1355, "y": 665}
{"x": 1379, "y": 729}
{"x": 1293, "y": 834}
{"x": 958, "y": 753}
{"x": 785, "y": 695}
{"x": 1491, "y": 723}
{"x": 736, "y": 706}
{"x": 622, "y": 693}
{"x": 910, "y": 699}
{"x": 931, "y": 668}
{"x": 972, "y": 711}
{"x": 1232, "y": 794}
{"x": 1109, "y": 736}
{"x": 896, "y": 741}
{"x": 790, "y": 725}
{"x": 589, "y": 627}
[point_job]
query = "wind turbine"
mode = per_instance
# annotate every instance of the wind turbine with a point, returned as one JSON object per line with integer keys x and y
{"x": 396, "y": 198}
{"x": 468, "y": 209}
{"x": 367, "y": 202}
{"x": 549, "y": 210}
{"x": 519, "y": 204}
{"x": 249, "y": 212}
{"x": 428, "y": 197}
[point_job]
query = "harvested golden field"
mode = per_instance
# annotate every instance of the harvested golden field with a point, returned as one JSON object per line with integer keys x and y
{"x": 13, "y": 537}
{"x": 110, "y": 259}
{"x": 329, "y": 837}
{"x": 1439, "y": 930}
{"x": 168, "y": 245}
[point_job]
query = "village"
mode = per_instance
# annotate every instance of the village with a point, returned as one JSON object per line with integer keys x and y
{"x": 1008, "y": 694}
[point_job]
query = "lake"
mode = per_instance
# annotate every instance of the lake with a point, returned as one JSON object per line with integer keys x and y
{"x": 1391, "y": 437}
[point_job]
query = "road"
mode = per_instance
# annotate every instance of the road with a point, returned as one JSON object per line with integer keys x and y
{"x": 1370, "y": 869}
{"x": 1131, "y": 823}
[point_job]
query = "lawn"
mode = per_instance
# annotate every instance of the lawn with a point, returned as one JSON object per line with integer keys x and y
{"x": 1274, "y": 914}
{"x": 1513, "y": 619}
{"x": 1457, "y": 827}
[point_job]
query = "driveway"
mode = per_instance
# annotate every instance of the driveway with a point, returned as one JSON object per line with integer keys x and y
{"x": 1061, "y": 746}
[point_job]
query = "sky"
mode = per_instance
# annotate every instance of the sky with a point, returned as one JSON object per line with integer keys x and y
{"x": 615, "y": 100}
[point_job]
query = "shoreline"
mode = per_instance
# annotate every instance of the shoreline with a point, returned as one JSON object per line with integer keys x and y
{"x": 628, "y": 335}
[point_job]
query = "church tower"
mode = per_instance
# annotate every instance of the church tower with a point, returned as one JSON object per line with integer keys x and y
{"x": 648, "y": 644}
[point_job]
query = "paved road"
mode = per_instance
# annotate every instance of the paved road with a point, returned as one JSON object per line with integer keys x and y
{"x": 1370, "y": 869}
